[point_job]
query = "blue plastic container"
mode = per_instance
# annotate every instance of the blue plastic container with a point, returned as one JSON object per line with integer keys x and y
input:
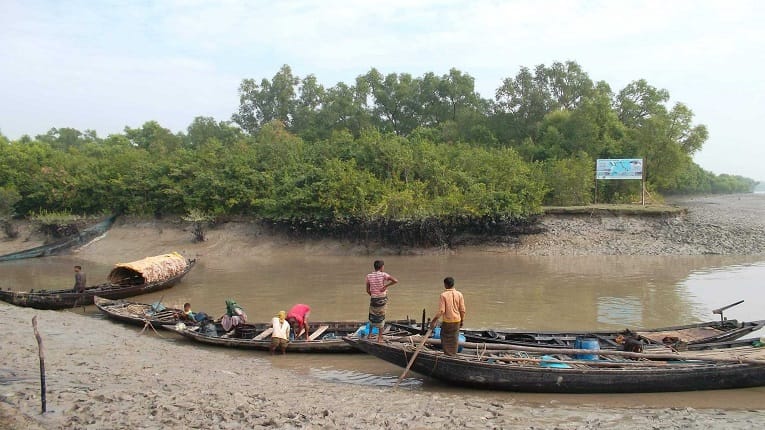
{"x": 363, "y": 331}
{"x": 550, "y": 361}
{"x": 587, "y": 343}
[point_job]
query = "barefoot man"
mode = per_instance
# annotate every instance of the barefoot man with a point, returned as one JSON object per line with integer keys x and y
{"x": 377, "y": 288}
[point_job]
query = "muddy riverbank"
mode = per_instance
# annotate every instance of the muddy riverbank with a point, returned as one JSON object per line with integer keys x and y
{"x": 712, "y": 225}
{"x": 108, "y": 376}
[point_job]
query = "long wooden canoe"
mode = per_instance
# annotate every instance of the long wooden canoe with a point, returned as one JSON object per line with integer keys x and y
{"x": 551, "y": 370}
{"x": 114, "y": 289}
{"x": 257, "y": 336}
{"x": 139, "y": 313}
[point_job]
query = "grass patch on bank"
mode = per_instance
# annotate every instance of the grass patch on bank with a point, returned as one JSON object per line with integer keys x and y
{"x": 616, "y": 209}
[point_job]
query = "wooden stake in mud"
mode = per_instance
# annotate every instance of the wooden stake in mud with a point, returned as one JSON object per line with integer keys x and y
{"x": 147, "y": 323}
{"x": 42, "y": 362}
{"x": 147, "y": 320}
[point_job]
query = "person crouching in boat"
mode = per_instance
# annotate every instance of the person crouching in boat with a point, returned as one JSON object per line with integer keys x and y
{"x": 281, "y": 334}
{"x": 234, "y": 315}
{"x": 193, "y": 317}
{"x": 297, "y": 317}
{"x": 451, "y": 305}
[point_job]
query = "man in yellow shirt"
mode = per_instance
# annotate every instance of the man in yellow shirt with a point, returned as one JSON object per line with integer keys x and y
{"x": 451, "y": 306}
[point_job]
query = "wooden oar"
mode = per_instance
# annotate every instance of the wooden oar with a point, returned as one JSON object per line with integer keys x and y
{"x": 416, "y": 352}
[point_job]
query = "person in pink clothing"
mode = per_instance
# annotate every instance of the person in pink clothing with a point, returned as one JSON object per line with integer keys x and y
{"x": 298, "y": 319}
{"x": 378, "y": 283}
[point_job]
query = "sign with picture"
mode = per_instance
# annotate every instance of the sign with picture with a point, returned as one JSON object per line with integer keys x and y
{"x": 619, "y": 168}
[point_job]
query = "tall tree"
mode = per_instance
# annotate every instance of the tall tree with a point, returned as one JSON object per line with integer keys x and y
{"x": 395, "y": 101}
{"x": 269, "y": 101}
{"x": 639, "y": 101}
{"x": 204, "y": 129}
{"x": 307, "y": 107}
{"x": 154, "y": 138}
{"x": 568, "y": 85}
{"x": 524, "y": 101}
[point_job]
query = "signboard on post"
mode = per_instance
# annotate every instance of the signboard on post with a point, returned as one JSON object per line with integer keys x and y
{"x": 619, "y": 168}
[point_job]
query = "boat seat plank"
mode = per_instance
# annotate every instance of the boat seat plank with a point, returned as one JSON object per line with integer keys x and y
{"x": 267, "y": 332}
{"x": 318, "y": 332}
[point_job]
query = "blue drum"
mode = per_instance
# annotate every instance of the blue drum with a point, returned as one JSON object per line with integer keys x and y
{"x": 587, "y": 343}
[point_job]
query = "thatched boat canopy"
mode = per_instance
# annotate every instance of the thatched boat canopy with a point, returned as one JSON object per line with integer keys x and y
{"x": 149, "y": 269}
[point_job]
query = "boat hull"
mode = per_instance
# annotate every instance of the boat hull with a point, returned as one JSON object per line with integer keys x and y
{"x": 669, "y": 377}
{"x": 329, "y": 342}
{"x": 137, "y": 313}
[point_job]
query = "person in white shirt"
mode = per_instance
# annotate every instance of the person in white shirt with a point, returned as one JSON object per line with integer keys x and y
{"x": 281, "y": 335}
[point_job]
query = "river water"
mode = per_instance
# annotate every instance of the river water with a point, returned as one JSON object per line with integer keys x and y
{"x": 501, "y": 291}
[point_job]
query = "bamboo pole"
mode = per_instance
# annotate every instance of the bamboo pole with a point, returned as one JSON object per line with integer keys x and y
{"x": 41, "y": 353}
{"x": 416, "y": 352}
{"x": 587, "y": 363}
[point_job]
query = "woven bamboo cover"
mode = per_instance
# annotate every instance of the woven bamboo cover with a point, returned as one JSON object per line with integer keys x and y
{"x": 152, "y": 269}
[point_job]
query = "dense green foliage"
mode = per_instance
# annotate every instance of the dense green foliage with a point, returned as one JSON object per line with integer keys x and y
{"x": 388, "y": 147}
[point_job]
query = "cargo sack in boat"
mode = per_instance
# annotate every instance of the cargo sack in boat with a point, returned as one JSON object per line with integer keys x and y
{"x": 148, "y": 270}
{"x": 209, "y": 330}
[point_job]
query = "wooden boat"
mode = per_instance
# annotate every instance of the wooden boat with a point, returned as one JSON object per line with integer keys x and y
{"x": 681, "y": 337}
{"x": 325, "y": 336}
{"x": 139, "y": 313}
{"x": 555, "y": 370}
{"x": 81, "y": 238}
{"x": 125, "y": 280}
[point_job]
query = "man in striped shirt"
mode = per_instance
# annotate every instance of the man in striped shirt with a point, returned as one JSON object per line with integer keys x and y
{"x": 377, "y": 288}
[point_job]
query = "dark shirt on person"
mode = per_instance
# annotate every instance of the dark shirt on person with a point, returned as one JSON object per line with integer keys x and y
{"x": 79, "y": 282}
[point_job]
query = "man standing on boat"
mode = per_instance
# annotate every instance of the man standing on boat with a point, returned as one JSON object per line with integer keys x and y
{"x": 451, "y": 306}
{"x": 377, "y": 288}
{"x": 79, "y": 280}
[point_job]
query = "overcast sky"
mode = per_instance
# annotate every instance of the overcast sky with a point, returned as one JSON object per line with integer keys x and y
{"x": 104, "y": 65}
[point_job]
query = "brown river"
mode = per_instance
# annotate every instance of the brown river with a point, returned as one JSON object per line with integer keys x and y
{"x": 501, "y": 291}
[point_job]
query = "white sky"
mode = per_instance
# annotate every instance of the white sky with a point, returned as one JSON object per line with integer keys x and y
{"x": 104, "y": 65}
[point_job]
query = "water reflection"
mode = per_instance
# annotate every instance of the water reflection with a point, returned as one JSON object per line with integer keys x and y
{"x": 620, "y": 311}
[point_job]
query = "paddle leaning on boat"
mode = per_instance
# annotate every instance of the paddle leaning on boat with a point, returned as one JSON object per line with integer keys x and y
{"x": 125, "y": 280}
